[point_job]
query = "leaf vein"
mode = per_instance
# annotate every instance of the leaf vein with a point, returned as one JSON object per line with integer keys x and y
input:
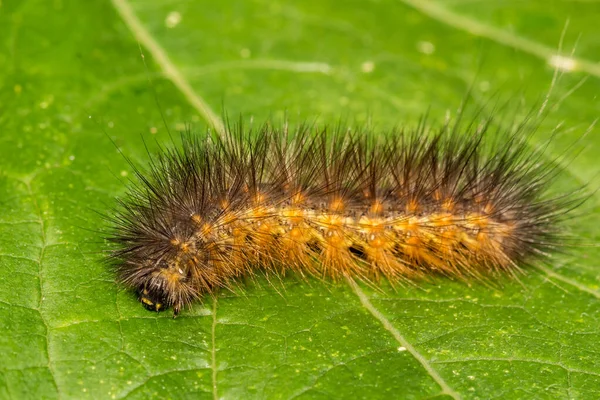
{"x": 523, "y": 360}
{"x": 39, "y": 262}
{"x": 213, "y": 358}
{"x": 446, "y": 389}
{"x": 442, "y": 14}
{"x": 553, "y": 274}
{"x": 169, "y": 69}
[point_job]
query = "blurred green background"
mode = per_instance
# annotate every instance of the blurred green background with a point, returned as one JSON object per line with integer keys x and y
{"x": 67, "y": 331}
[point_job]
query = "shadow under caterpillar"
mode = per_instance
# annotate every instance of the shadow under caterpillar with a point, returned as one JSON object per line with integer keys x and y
{"x": 331, "y": 202}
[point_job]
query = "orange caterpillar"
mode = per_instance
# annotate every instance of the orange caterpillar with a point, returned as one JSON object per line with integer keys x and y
{"x": 333, "y": 204}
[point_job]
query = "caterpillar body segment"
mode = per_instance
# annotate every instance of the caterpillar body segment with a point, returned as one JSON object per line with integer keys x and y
{"x": 332, "y": 203}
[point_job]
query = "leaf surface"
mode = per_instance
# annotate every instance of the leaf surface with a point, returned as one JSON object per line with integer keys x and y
{"x": 71, "y": 79}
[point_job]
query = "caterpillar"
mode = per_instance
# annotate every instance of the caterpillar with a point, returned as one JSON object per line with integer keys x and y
{"x": 335, "y": 203}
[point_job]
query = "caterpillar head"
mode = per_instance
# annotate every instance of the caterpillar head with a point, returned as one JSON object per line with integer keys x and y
{"x": 163, "y": 286}
{"x": 152, "y": 301}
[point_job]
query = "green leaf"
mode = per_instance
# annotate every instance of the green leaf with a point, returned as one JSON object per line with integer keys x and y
{"x": 68, "y": 331}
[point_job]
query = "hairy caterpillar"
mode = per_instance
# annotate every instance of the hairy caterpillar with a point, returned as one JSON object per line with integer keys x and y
{"x": 334, "y": 203}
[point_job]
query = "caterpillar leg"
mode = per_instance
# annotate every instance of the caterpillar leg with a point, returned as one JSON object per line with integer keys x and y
{"x": 176, "y": 310}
